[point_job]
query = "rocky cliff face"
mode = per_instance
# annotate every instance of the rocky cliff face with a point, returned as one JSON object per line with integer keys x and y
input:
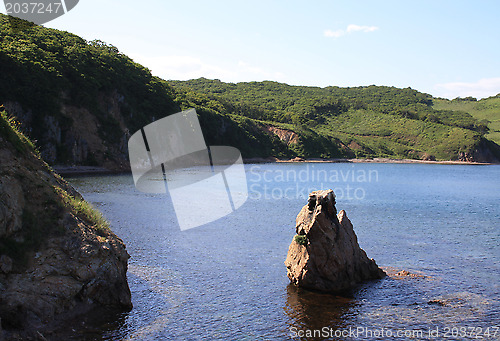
{"x": 58, "y": 257}
{"x": 75, "y": 135}
{"x": 287, "y": 136}
{"x": 485, "y": 151}
{"x": 324, "y": 254}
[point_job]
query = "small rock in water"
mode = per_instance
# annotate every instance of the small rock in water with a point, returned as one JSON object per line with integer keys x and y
{"x": 324, "y": 254}
{"x": 405, "y": 273}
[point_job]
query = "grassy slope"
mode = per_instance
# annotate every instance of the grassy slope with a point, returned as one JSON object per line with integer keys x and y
{"x": 392, "y": 136}
{"x": 485, "y": 109}
{"x": 50, "y": 195}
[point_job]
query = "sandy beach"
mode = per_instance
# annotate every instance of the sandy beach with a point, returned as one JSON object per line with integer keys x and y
{"x": 374, "y": 160}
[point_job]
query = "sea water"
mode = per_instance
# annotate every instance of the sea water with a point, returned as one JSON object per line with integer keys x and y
{"x": 226, "y": 280}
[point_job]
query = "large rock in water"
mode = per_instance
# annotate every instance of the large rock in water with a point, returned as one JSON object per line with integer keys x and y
{"x": 324, "y": 254}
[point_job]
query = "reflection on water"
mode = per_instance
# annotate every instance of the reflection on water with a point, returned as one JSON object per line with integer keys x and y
{"x": 93, "y": 325}
{"x": 227, "y": 281}
{"x": 312, "y": 310}
{"x": 380, "y": 309}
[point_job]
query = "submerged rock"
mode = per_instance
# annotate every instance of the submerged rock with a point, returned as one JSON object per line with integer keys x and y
{"x": 324, "y": 254}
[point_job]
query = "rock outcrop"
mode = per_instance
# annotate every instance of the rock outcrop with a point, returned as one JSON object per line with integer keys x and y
{"x": 484, "y": 151}
{"x": 324, "y": 254}
{"x": 287, "y": 136}
{"x": 58, "y": 257}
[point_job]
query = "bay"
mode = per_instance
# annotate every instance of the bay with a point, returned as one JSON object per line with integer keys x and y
{"x": 226, "y": 280}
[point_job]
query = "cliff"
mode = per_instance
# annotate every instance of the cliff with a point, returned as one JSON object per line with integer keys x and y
{"x": 325, "y": 255}
{"x": 58, "y": 256}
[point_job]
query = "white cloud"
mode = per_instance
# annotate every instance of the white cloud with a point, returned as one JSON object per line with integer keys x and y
{"x": 483, "y": 88}
{"x": 357, "y": 28}
{"x": 349, "y": 29}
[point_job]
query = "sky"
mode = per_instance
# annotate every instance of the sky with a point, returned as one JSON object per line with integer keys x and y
{"x": 444, "y": 48}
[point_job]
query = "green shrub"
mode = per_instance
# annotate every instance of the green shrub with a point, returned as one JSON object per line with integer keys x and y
{"x": 300, "y": 239}
{"x": 84, "y": 210}
{"x": 11, "y": 131}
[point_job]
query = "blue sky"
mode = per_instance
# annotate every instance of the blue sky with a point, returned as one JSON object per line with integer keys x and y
{"x": 445, "y": 48}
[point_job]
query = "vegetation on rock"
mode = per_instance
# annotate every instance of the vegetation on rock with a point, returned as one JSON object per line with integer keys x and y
{"x": 300, "y": 239}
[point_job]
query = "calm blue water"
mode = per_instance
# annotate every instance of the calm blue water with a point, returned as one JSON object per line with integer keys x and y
{"x": 227, "y": 280}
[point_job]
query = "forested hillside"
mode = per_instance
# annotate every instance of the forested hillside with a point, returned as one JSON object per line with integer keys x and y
{"x": 81, "y": 100}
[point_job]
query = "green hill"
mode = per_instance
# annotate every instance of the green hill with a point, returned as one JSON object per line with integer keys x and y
{"x": 371, "y": 121}
{"x": 81, "y": 100}
{"x": 487, "y": 110}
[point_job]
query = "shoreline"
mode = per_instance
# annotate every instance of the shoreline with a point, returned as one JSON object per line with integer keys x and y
{"x": 70, "y": 171}
{"x": 374, "y": 160}
{"x": 85, "y": 170}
